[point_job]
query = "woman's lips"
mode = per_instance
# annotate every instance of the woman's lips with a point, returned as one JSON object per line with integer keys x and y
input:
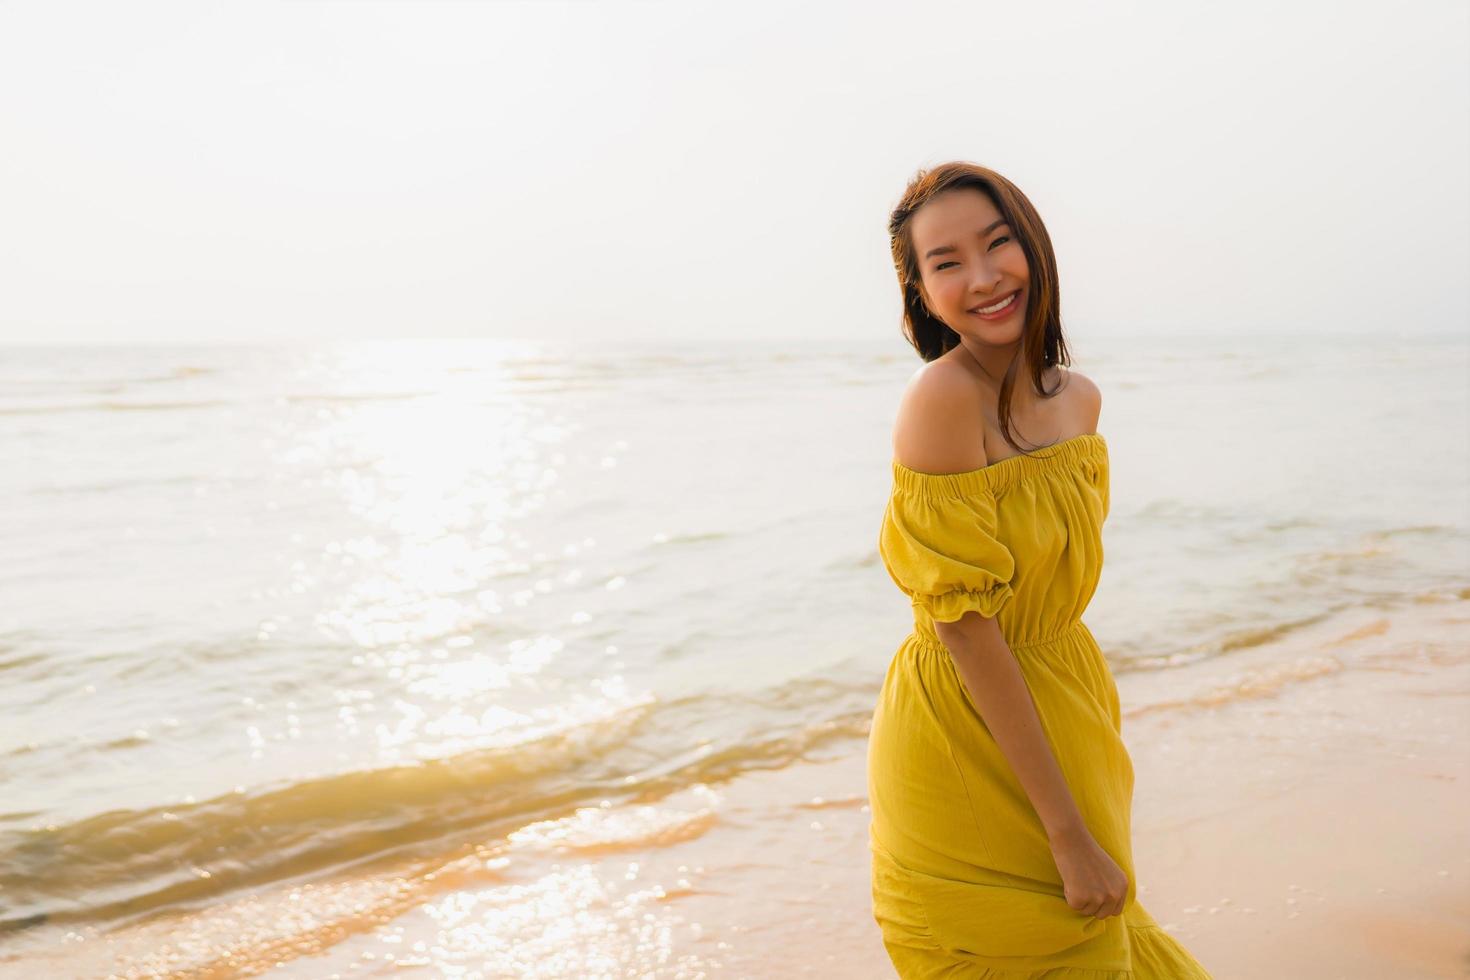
{"x": 1005, "y": 311}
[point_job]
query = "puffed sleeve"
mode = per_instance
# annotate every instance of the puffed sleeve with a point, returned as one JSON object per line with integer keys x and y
{"x": 938, "y": 543}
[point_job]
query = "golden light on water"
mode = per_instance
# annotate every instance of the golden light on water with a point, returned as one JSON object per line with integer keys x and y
{"x": 436, "y": 457}
{"x": 582, "y": 919}
{"x": 438, "y": 472}
{"x": 559, "y": 898}
{"x": 569, "y": 923}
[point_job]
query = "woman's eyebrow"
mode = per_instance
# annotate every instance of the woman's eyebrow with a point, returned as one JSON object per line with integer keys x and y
{"x": 946, "y": 249}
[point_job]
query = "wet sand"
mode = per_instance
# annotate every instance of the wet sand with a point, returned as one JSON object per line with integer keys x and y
{"x": 1302, "y": 809}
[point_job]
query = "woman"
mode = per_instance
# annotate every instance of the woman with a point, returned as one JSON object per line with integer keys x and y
{"x": 999, "y": 781}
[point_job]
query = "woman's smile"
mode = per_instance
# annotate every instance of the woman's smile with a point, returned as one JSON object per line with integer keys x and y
{"x": 999, "y": 310}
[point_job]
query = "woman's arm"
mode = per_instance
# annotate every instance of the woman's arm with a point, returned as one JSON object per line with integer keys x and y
{"x": 1092, "y": 881}
{"x": 993, "y": 679}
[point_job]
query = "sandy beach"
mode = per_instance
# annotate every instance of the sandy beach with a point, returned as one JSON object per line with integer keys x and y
{"x": 1302, "y": 809}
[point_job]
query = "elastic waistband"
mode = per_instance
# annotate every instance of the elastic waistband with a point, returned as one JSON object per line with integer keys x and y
{"x": 1075, "y": 626}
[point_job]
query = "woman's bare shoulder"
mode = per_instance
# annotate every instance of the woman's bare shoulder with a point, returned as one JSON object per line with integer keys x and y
{"x": 940, "y": 427}
{"x": 1086, "y": 398}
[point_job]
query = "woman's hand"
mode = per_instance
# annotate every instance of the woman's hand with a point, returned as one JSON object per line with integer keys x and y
{"x": 1091, "y": 879}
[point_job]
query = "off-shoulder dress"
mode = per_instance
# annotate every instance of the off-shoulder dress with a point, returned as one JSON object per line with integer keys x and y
{"x": 964, "y": 884}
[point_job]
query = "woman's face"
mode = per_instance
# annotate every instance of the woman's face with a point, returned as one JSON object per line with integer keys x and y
{"x": 969, "y": 259}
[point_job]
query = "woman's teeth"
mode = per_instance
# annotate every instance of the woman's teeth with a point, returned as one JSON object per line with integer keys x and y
{"x": 987, "y": 310}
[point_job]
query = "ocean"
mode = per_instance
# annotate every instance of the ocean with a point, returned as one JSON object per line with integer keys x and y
{"x": 280, "y": 615}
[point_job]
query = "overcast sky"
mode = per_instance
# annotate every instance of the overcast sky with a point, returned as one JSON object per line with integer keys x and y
{"x": 589, "y": 170}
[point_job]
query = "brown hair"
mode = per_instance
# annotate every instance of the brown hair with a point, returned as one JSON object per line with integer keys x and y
{"x": 1041, "y": 334}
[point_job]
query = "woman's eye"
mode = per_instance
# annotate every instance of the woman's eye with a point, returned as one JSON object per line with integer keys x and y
{"x": 1002, "y": 238}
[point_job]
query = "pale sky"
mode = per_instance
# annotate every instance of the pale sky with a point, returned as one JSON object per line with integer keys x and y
{"x": 593, "y": 170}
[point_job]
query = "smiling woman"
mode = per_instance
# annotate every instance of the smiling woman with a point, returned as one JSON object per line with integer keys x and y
{"x": 999, "y": 783}
{"x": 974, "y": 260}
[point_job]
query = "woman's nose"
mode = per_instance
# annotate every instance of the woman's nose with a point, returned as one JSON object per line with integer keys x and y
{"x": 984, "y": 280}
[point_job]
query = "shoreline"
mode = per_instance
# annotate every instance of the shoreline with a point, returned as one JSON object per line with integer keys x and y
{"x": 1301, "y": 808}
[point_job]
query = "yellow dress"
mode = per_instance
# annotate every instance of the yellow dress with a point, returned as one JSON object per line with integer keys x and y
{"x": 964, "y": 884}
